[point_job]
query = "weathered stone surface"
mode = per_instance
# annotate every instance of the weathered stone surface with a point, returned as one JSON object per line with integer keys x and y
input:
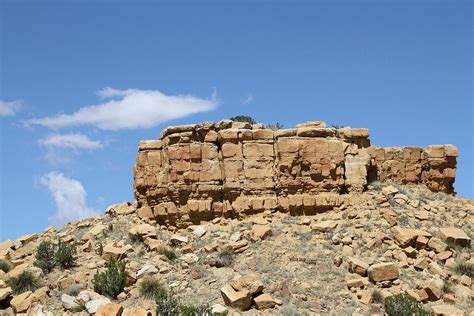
{"x": 264, "y": 301}
{"x": 4, "y": 293}
{"x": 445, "y": 310}
{"x": 135, "y": 311}
{"x": 357, "y": 266}
{"x": 455, "y": 235}
{"x": 110, "y": 309}
{"x": 236, "y": 299}
{"x": 201, "y": 171}
{"x": 383, "y": 272}
{"x": 250, "y": 282}
{"x": 21, "y": 302}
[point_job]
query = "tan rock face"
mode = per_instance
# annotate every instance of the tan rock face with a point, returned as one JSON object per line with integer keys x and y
{"x": 383, "y": 272}
{"x": 202, "y": 171}
{"x": 110, "y": 309}
{"x": 21, "y": 302}
{"x": 455, "y": 235}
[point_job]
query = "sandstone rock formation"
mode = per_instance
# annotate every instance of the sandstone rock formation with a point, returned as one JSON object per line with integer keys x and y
{"x": 203, "y": 171}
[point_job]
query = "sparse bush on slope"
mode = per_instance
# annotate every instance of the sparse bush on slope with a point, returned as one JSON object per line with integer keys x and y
{"x": 110, "y": 282}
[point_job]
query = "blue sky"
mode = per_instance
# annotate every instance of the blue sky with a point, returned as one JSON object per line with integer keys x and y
{"x": 401, "y": 68}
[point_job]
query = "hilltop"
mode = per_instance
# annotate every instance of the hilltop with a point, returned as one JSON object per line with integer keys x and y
{"x": 231, "y": 217}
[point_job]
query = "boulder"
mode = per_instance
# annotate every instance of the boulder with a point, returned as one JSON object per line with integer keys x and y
{"x": 5, "y": 293}
{"x": 136, "y": 311}
{"x": 69, "y": 302}
{"x": 445, "y": 310}
{"x": 260, "y": 232}
{"x": 455, "y": 235}
{"x": 264, "y": 301}
{"x": 93, "y": 305}
{"x": 237, "y": 299}
{"x": 110, "y": 309}
{"x": 250, "y": 282}
{"x": 357, "y": 266}
{"x": 386, "y": 271}
{"x": 20, "y": 303}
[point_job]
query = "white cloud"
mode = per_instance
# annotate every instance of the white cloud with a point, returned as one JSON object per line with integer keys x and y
{"x": 72, "y": 141}
{"x": 9, "y": 108}
{"x": 248, "y": 99}
{"x": 130, "y": 109}
{"x": 69, "y": 196}
{"x": 61, "y": 148}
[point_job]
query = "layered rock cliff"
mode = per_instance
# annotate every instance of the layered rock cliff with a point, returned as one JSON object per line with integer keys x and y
{"x": 202, "y": 171}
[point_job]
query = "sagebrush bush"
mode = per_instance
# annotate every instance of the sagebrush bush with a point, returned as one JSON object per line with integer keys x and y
{"x": 402, "y": 304}
{"x": 226, "y": 257}
{"x": 66, "y": 255}
{"x": 73, "y": 290}
{"x": 45, "y": 256}
{"x": 166, "y": 304}
{"x": 25, "y": 281}
{"x": 110, "y": 282}
{"x": 465, "y": 268}
{"x": 168, "y": 253}
{"x": 150, "y": 287}
{"x": 244, "y": 119}
{"x": 5, "y": 266}
{"x": 135, "y": 238}
{"x": 377, "y": 296}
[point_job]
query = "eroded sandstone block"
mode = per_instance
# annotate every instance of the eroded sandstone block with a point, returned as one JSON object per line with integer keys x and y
{"x": 201, "y": 171}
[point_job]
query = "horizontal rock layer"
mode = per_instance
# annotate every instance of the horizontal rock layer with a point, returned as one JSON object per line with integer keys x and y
{"x": 202, "y": 171}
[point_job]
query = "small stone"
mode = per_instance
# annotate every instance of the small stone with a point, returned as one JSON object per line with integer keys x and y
{"x": 93, "y": 305}
{"x": 422, "y": 263}
{"x": 264, "y": 301}
{"x": 260, "y": 232}
{"x": 360, "y": 282}
{"x": 199, "y": 231}
{"x": 218, "y": 309}
{"x": 324, "y": 226}
{"x": 357, "y": 266}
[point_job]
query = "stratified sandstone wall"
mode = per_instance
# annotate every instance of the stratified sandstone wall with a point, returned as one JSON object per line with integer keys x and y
{"x": 202, "y": 171}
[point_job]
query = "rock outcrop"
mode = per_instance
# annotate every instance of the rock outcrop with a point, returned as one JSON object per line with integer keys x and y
{"x": 202, "y": 171}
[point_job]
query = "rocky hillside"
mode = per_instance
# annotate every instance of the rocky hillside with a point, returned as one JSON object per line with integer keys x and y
{"x": 231, "y": 218}
{"x": 388, "y": 240}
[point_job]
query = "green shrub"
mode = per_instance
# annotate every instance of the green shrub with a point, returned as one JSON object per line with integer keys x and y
{"x": 195, "y": 310}
{"x": 226, "y": 257}
{"x": 150, "y": 287}
{"x": 465, "y": 268}
{"x": 243, "y": 118}
{"x": 66, "y": 255}
{"x": 100, "y": 249}
{"x": 135, "y": 238}
{"x": 402, "y": 304}
{"x": 275, "y": 126}
{"x": 377, "y": 296}
{"x": 168, "y": 253}
{"x": 45, "y": 256}
{"x": 25, "y": 281}
{"x": 73, "y": 290}
{"x": 166, "y": 304}
{"x": 5, "y": 266}
{"x": 111, "y": 282}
